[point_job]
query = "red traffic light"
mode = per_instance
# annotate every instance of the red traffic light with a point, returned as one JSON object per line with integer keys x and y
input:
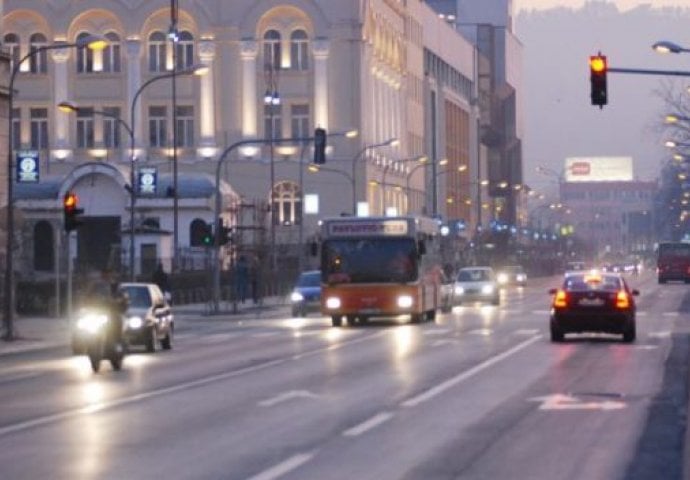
{"x": 71, "y": 212}
{"x": 71, "y": 201}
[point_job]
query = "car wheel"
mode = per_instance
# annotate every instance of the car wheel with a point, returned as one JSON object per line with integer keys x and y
{"x": 151, "y": 339}
{"x": 630, "y": 334}
{"x": 556, "y": 334}
{"x": 166, "y": 342}
{"x": 336, "y": 321}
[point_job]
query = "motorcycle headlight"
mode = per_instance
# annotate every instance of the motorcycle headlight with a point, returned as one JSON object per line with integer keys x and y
{"x": 91, "y": 322}
{"x": 405, "y": 301}
{"x": 487, "y": 289}
{"x": 135, "y": 322}
{"x": 333, "y": 303}
{"x": 296, "y": 297}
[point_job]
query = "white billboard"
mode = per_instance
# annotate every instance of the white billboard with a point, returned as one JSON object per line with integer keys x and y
{"x": 598, "y": 169}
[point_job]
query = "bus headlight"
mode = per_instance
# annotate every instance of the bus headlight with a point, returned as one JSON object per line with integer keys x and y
{"x": 405, "y": 301}
{"x": 487, "y": 289}
{"x": 296, "y": 297}
{"x": 333, "y": 303}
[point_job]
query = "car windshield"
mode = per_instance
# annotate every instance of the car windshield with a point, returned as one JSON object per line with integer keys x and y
{"x": 580, "y": 283}
{"x": 138, "y": 297}
{"x": 309, "y": 279}
{"x": 478, "y": 275}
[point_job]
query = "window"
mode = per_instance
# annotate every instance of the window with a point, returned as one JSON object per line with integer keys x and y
{"x": 157, "y": 52}
{"x": 272, "y": 121}
{"x": 16, "y": 128}
{"x": 299, "y": 57}
{"x": 85, "y": 128}
{"x": 185, "y": 126}
{"x": 111, "y": 127}
{"x": 12, "y": 46}
{"x": 185, "y": 50}
{"x": 272, "y": 49}
{"x": 111, "y": 53}
{"x": 299, "y": 115}
{"x": 287, "y": 204}
{"x": 44, "y": 248}
{"x": 39, "y": 128}
{"x": 38, "y": 62}
{"x": 158, "y": 135}
{"x": 84, "y": 57}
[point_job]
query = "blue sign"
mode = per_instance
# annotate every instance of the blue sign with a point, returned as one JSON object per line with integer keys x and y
{"x": 148, "y": 181}
{"x": 27, "y": 166}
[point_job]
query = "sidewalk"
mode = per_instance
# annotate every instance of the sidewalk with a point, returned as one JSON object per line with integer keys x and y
{"x": 42, "y": 332}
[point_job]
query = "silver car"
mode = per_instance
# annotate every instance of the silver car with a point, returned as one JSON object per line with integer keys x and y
{"x": 149, "y": 319}
{"x": 476, "y": 284}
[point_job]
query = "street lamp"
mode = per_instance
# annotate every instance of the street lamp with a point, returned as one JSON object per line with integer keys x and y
{"x": 71, "y": 107}
{"x": 390, "y": 142}
{"x": 271, "y": 100}
{"x": 666, "y": 46}
{"x": 422, "y": 159}
{"x": 94, "y": 42}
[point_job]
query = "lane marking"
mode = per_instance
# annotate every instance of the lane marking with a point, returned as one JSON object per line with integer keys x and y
{"x": 436, "y": 331}
{"x": 541, "y": 312}
{"x": 559, "y": 401}
{"x": 286, "y": 396}
{"x": 440, "y": 343}
{"x": 442, "y": 387}
{"x": 663, "y": 334}
{"x": 526, "y": 332}
{"x": 484, "y": 332}
{"x": 282, "y": 468}
{"x": 367, "y": 425}
{"x": 670, "y": 314}
{"x": 14, "y": 377}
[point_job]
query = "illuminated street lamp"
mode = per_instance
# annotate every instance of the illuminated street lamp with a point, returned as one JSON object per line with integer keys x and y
{"x": 71, "y": 107}
{"x": 93, "y": 42}
{"x": 666, "y": 46}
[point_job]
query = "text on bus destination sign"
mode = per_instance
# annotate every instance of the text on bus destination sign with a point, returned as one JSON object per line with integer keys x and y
{"x": 388, "y": 227}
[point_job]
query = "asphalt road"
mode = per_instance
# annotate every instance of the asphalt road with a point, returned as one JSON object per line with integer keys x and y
{"x": 479, "y": 394}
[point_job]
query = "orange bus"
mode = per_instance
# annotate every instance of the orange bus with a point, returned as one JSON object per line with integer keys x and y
{"x": 380, "y": 267}
{"x": 673, "y": 261}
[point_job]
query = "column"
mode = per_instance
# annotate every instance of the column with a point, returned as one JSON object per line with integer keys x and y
{"x": 60, "y": 93}
{"x": 133, "y": 84}
{"x": 207, "y": 115}
{"x": 320, "y": 49}
{"x": 248, "y": 52}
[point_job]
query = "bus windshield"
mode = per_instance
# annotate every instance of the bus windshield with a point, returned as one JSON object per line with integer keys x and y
{"x": 676, "y": 249}
{"x": 368, "y": 260}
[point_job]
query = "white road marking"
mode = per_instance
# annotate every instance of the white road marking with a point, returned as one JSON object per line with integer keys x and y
{"x": 541, "y": 312}
{"x": 284, "y": 467}
{"x": 265, "y": 334}
{"x": 13, "y": 377}
{"x": 646, "y": 347}
{"x": 485, "y": 332}
{"x": 436, "y": 331}
{"x": 663, "y": 334}
{"x": 440, "y": 343}
{"x": 373, "y": 422}
{"x": 286, "y": 396}
{"x": 642, "y": 314}
{"x": 442, "y": 387}
{"x": 670, "y": 314}
{"x": 526, "y": 331}
{"x": 559, "y": 401}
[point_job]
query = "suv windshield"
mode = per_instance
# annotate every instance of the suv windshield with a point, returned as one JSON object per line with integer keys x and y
{"x": 309, "y": 279}
{"x": 478, "y": 275}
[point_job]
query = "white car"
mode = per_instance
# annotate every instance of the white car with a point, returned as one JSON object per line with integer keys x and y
{"x": 476, "y": 284}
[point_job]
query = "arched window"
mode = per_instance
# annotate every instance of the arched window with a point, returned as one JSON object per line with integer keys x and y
{"x": 197, "y": 229}
{"x": 84, "y": 57}
{"x": 111, "y": 53}
{"x": 157, "y": 52}
{"x": 38, "y": 62}
{"x": 185, "y": 50}
{"x": 272, "y": 49}
{"x": 11, "y": 41}
{"x": 299, "y": 53}
{"x": 287, "y": 204}
{"x": 44, "y": 248}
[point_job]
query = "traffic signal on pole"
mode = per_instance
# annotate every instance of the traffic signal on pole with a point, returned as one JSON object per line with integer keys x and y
{"x": 319, "y": 146}
{"x": 224, "y": 233}
{"x": 71, "y": 211}
{"x": 597, "y": 77}
{"x": 207, "y": 238}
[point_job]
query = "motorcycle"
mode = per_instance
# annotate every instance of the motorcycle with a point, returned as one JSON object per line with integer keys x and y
{"x": 96, "y": 333}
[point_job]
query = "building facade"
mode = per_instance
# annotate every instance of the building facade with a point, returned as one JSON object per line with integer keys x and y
{"x": 167, "y": 145}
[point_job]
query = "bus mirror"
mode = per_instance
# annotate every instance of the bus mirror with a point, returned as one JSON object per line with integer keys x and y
{"x": 313, "y": 249}
{"x": 421, "y": 247}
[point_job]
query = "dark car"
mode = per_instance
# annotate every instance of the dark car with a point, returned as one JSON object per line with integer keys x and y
{"x": 306, "y": 295}
{"x": 593, "y": 302}
{"x": 148, "y": 319}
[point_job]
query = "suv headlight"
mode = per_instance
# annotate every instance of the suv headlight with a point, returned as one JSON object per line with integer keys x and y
{"x": 459, "y": 290}
{"x": 296, "y": 297}
{"x": 135, "y": 322}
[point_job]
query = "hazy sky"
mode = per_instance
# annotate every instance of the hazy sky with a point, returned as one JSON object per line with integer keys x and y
{"x": 622, "y": 4}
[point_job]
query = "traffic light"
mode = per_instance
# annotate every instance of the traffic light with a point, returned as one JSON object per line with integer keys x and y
{"x": 597, "y": 77}
{"x": 71, "y": 211}
{"x": 207, "y": 238}
{"x": 319, "y": 146}
{"x": 224, "y": 233}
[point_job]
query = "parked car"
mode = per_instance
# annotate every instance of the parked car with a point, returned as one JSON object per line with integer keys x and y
{"x": 476, "y": 284}
{"x": 511, "y": 275}
{"x": 149, "y": 318}
{"x": 306, "y": 295}
{"x": 593, "y": 302}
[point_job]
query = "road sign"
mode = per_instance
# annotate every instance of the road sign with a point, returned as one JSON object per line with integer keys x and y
{"x": 147, "y": 181}
{"x": 27, "y": 166}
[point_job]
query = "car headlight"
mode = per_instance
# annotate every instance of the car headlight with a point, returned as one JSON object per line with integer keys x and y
{"x": 333, "y": 303}
{"x": 459, "y": 290}
{"x": 502, "y": 278}
{"x": 521, "y": 277}
{"x": 135, "y": 322}
{"x": 487, "y": 289}
{"x": 296, "y": 297}
{"x": 405, "y": 301}
{"x": 91, "y": 322}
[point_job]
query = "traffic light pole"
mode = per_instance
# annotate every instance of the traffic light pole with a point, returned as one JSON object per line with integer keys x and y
{"x": 676, "y": 73}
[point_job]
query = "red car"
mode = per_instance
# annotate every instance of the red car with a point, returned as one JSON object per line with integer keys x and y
{"x": 593, "y": 302}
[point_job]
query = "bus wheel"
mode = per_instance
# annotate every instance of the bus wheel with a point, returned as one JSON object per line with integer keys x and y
{"x": 336, "y": 321}
{"x": 416, "y": 317}
{"x": 352, "y": 320}
{"x": 431, "y": 315}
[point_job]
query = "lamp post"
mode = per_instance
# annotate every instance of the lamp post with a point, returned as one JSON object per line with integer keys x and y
{"x": 272, "y": 100}
{"x": 93, "y": 42}
{"x": 174, "y": 37}
{"x": 390, "y": 142}
{"x": 68, "y": 106}
{"x": 422, "y": 159}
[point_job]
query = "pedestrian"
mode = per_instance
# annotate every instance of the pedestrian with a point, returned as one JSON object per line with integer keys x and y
{"x": 161, "y": 279}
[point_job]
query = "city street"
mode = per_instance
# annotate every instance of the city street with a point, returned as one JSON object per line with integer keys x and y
{"x": 481, "y": 393}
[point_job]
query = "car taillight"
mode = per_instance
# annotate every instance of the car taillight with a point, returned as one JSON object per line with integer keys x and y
{"x": 622, "y": 299}
{"x": 560, "y": 300}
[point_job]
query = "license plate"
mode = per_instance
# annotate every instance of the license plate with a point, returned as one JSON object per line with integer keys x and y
{"x": 369, "y": 310}
{"x": 591, "y": 302}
